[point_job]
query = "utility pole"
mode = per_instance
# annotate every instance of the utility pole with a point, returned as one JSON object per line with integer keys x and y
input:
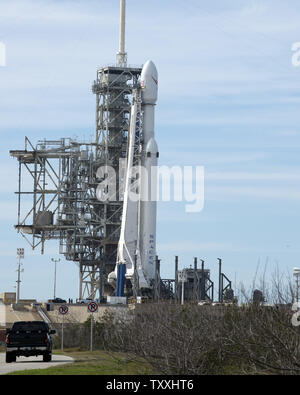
{"x": 176, "y": 279}
{"x": 20, "y": 255}
{"x": 220, "y": 281}
{"x": 182, "y": 277}
{"x": 55, "y": 262}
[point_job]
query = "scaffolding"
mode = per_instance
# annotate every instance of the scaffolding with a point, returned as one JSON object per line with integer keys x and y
{"x": 76, "y": 187}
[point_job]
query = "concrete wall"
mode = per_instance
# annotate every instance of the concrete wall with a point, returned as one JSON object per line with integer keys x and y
{"x": 12, "y": 313}
{"x": 8, "y": 297}
{"x": 2, "y": 315}
{"x": 77, "y": 313}
{"x": 80, "y": 314}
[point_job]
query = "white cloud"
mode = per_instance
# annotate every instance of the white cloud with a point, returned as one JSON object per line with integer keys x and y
{"x": 223, "y": 193}
{"x": 204, "y": 158}
{"x": 8, "y": 177}
{"x": 41, "y": 11}
{"x": 9, "y": 210}
{"x": 193, "y": 246}
{"x": 248, "y": 176}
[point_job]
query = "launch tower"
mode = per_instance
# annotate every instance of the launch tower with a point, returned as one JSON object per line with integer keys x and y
{"x": 66, "y": 202}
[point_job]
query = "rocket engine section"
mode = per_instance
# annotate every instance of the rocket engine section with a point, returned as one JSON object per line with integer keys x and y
{"x": 137, "y": 243}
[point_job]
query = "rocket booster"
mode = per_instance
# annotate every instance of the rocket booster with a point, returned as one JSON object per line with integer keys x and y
{"x": 149, "y": 85}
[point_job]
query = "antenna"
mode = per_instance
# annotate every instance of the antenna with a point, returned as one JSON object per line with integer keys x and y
{"x": 122, "y": 55}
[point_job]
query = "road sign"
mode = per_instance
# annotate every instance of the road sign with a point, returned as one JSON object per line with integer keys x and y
{"x": 92, "y": 307}
{"x": 182, "y": 276}
{"x": 20, "y": 253}
{"x": 63, "y": 310}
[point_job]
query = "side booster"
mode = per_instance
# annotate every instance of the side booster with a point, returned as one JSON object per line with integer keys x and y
{"x": 138, "y": 228}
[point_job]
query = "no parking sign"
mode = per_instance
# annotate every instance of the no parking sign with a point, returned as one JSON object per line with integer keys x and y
{"x": 92, "y": 308}
{"x": 63, "y": 310}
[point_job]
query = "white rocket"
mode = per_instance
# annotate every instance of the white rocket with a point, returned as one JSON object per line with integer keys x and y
{"x": 138, "y": 228}
{"x": 147, "y": 224}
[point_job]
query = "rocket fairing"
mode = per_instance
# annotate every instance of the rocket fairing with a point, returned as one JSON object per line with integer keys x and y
{"x": 149, "y": 84}
{"x": 138, "y": 228}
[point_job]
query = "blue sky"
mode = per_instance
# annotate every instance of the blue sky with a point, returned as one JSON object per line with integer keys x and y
{"x": 228, "y": 100}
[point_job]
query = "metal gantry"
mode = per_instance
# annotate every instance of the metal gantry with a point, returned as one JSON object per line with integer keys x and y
{"x": 114, "y": 89}
{"x": 68, "y": 179}
{"x": 76, "y": 187}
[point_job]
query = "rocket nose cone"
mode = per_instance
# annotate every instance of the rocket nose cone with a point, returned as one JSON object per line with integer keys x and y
{"x": 152, "y": 146}
{"x": 149, "y": 67}
{"x": 149, "y": 82}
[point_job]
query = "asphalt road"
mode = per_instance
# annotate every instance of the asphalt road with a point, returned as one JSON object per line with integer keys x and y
{"x": 31, "y": 363}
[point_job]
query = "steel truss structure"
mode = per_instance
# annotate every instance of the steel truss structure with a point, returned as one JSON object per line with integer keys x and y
{"x": 76, "y": 187}
{"x": 199, "y": 286}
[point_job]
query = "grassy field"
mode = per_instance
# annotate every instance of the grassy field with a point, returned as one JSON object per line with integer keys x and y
{"x": 95, "y": 363}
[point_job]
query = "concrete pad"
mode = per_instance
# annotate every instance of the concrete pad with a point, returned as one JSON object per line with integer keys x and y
{"x": 24, "y": 363}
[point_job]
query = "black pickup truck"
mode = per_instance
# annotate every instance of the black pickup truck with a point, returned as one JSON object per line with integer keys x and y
{"x": 29, "y": 338}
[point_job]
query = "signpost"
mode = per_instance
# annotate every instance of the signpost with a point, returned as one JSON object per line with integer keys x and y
{"x": 63, "y": 310}
{"x": 20, "y": 255}
{"x": 92, "y": 308}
